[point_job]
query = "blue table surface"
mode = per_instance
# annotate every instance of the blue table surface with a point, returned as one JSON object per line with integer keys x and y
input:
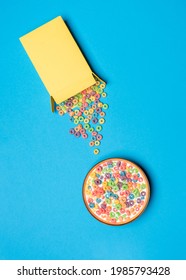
{"x": 138, "y": 47}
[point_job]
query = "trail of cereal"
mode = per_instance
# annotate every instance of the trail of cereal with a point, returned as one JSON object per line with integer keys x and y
{"x": 87, "y": 112}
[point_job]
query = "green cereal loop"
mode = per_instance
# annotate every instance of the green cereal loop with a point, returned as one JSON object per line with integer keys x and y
{"x": 98, "y": 127}
{"x": 86, "y": 126}
{"x": 112, "y": 184}
{"x": 117, "y": 214}
{"x": 79, "y": 95}
{"x": 118, "y": 206}
{"x": 76, "y": 121}
{"x": 125, "y": 187}
{"x": 108, "y": 200}
{"x": 112, "y": 214}
{"x": 143, "y": 186}
{"x": 81, "y": 118}
{"x": 115, "y": 188}
{"x": 135, "y": 170}
{"x": 97, "y": 143}
{"x": 91, "y": 129}
{"x": 108, "y": 170}
{"x": 64, "y": 108}
{"x": 136, "y": 192}
{"x": 99, "y": 90}
{"x": 105, "y": 106}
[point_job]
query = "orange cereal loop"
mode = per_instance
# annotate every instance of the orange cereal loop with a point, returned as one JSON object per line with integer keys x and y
{"x": 123, "y": 199}
{"x": 58, "y": 108}
{"x": 87, "y": 192}
{"x": 123, "y": 205}
{"x": 71, "y": 114}
{"x": 128, "y": 212}
{"x": 61, "y": 113}
{"x": 120, "y": 219}
{"x": 89, "y": 90}
{"x": 131, "y": 189}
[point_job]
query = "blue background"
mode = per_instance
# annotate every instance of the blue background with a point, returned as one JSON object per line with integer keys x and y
{"x": 138, "y": 47}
